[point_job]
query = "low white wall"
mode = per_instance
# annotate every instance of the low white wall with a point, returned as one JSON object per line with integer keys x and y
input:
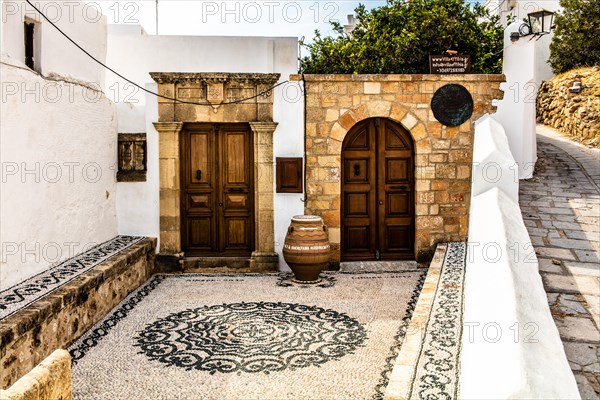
{"x": 511, "y": 348}
{"x": 134, "y": 54}
{"x": 493, "y": 164}
{"x": 58, "y": 191}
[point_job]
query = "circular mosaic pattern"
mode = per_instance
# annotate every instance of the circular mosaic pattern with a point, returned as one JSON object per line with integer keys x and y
{"x": 452, "y": 104}
{"x": 251, "y": 337}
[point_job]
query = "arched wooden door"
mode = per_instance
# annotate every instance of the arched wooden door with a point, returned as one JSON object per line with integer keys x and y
{"x": 377, "y": 217}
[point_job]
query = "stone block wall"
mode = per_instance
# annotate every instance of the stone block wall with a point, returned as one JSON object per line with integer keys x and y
{"x": 61, "y": 317}
{"x": 50, "y": 380}
{"x": 443, "y": 155}
{"x": 574, "y": 114}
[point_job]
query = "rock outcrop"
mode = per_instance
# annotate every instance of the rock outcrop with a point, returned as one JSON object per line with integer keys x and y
{"x": 576, "y": 114}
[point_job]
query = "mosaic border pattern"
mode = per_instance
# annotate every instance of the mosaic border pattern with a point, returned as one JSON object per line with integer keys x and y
{"x": 436, "y": 374}
{"x": 22, "y": 294}
{"x": 399, "y": 338}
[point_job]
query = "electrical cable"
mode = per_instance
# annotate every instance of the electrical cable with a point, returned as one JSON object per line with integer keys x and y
{"x": 143, "y": 88}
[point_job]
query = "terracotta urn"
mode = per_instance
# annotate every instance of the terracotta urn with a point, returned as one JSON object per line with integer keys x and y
{"x": 306, "y": 248}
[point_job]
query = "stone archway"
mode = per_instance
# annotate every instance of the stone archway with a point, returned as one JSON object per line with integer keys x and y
{"x": 443, "y": 155}
{"x": 377, "y": 214}
{"x": 329, "y": 195}
{"x": 217, "y": 98}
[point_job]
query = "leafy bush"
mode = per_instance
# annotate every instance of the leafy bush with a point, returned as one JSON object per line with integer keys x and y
{"x": 399, "y": 37}
{"x": 576, "y": 42}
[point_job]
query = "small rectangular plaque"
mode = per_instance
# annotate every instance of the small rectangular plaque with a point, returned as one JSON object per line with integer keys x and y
{"x": 289, "y": 175}
{"x": 450, "y": 64}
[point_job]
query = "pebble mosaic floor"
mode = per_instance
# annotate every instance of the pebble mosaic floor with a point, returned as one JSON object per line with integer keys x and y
{"x": 246, "y": 336}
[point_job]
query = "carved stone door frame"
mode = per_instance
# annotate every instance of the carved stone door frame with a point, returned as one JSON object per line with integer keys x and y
{"x": 222, "y": 98}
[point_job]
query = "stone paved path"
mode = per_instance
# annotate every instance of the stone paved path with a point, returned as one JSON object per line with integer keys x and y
{"x": 561, "y": 209}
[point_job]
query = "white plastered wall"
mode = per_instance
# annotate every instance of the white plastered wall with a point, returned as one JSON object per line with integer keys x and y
{"x": 81, "y": 21}
{"x": 519, "y": 10}
{"x": 511, "y": 348}
{"x": 516, "y": 111}
{"x": 134, "y": 54}
{"x": 57, "y": 145}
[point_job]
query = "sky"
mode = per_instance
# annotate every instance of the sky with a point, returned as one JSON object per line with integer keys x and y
{"x": 232, "y": 18}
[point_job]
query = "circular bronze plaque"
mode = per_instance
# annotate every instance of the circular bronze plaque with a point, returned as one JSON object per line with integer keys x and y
{"x": 452, "y": 104}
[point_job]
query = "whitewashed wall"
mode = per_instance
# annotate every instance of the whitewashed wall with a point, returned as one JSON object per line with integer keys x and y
{"x": 511, "y": 348}
{"x": 134, "y": 54}
{"x": 57, "y": 148}
{"x": 516, "y": 111}
{"x": 83, "y": 22}
{"x": 519, "y": 10}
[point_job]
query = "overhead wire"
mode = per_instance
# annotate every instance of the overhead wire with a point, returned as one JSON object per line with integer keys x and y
{"x": 139, "y": 86}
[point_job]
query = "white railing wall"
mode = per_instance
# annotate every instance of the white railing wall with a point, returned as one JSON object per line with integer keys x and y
{"x": 511, "y": 347}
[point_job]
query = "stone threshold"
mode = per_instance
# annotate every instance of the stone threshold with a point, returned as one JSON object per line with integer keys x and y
{"x": 57, "y": 319}
{"x": 380, "y": 266}
{"x": 177, "y": 264}
{"x": 215, "y": 264}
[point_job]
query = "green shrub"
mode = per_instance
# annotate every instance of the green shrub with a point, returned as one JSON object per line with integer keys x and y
{"x": 576, "y": 42}
{"x": 399, "y": 37}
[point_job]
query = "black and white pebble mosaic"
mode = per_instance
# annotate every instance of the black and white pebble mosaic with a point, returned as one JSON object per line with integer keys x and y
{"x": 245, "y": 337}
{"x": 19, "y": 296}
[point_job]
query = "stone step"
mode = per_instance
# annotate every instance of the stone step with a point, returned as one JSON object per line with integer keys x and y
{"x": 379, "y": 266}
{"x": 215, "y": 264}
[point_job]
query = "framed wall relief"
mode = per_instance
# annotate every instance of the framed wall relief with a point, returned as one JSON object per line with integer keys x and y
{"x": 132, "y": 157}
{"x": 289, "y": 174}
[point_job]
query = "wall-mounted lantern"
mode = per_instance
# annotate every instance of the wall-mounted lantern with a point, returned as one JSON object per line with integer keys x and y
{"x": 540, "y": 23}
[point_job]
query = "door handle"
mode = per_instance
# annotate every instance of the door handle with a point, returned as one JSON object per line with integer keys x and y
{"x": 198, "y": 175}
{"x": 380, "y": 202}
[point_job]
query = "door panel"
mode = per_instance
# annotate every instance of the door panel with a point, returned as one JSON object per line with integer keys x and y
{"x": 217, "y": 210}
{"x": 377, "y": 192}
{"x": 358, "y": 200}
{"x": 200, "y": 233}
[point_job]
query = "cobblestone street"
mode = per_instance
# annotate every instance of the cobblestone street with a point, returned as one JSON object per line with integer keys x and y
{"x": 561, "y": 209}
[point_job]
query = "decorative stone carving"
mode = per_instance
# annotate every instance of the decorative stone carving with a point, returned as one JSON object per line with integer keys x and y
{"x": 132, "y": 157}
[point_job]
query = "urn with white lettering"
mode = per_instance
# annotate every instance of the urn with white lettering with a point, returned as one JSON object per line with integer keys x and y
{"x": 306, "y": 248}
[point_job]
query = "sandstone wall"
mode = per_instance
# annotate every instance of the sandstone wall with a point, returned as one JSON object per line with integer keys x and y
{"x": 443, "y": 155}
{"x": 58, "y": 319}
{"x": 574, "y": 114}
{"x": 51, "y": 380}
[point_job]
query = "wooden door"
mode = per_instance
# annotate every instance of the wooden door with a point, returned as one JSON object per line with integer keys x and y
{"x": 217, "y": 200}
{"x": 377, "y": 192}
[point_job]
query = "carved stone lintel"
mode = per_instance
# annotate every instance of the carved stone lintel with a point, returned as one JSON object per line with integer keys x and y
{"x": 214, "y": 77}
